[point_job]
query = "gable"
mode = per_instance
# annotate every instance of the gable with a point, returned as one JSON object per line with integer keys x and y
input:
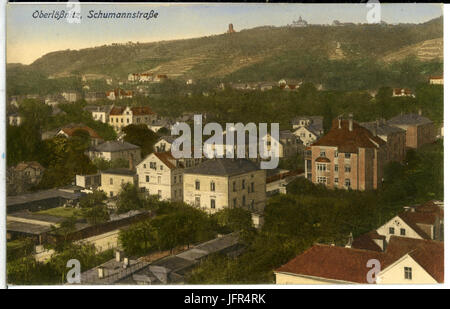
{"x": 397, "y": 223}
{"x": 395, "y": 273}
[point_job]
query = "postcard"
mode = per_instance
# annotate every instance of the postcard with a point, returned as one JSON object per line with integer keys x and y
{"x": 224, "y": 143}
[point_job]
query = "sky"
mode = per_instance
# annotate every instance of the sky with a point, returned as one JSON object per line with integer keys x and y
{"x": 29, "y": 38}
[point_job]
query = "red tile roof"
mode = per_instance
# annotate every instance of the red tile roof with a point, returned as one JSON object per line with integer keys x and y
{"x": 332, "y": 262}
{"x": 350, "y": 264}
{"x": 349, "y": 141}
{"x": 366, "y": 241}
{"x": 428, "y": 254}
{"x": 166, "y": 158}
{"x": 70, "y": 130}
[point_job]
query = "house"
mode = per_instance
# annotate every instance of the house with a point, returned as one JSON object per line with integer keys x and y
{"x": 424, "y": 221}
{"x": 419, "y": 129}
{"x": 15, "y": 119}
{"x": 157, "y": 125}
{"x": 164, "y": 143}
{"x": 161, "y": 174}
{"x": 289, "y": 84}
{"x": 113, "y": 179}
{"x": 120, "y": 117}
{"x": 145, "y": 77}
{"x": 436, "y": 80}
{"x": 348, "y": 157}
{"x": 308, "y": 128}
{"x": 69, "y": 131}
{"x": 288, "y": 143}
{"x": 160, "y": 78}
{"x": 94, "y": 96}
{"x": 99, "y": 112}
{"x": 221, "y": 183}
{"x": 119, "y": 94}
{"x": 402, "y": 92}
{"x": 23, "y": 176}
{"x": 406, "y": 261}
{"x": 53, "y": 99}
{"x": 394, "y": 137}
{"x": 92, "y": 181}
{"x": 71, "y": 96}
{"x": 133, "y": 77}
{"x": 115, "y": 150}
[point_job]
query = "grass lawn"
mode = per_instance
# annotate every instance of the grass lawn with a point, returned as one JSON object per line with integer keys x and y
{"x": 60, "y": 212}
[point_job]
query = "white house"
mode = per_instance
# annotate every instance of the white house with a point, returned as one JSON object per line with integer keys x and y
{"x": 161, "y": 174}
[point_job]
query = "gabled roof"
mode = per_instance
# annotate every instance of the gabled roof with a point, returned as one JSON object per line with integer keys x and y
{"x": 333, "y": 263}
{"x": 428, "y": 254}
{"x": 112, "y": 146}
{"x": 409, "y": 119}
{"x": 70, "y": 130}
{"x": 381, "y": 128}
{"x": 166, "y": 158}
{"x": 350, "y": 264}
{"x": 349, "y": 141}
{"x": 223, "y": 167}
{"x": 138, "y": 110}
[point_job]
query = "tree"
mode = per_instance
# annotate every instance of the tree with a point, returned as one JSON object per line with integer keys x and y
{"x": 142, "y": 136}
{"x": 234, "y": 219}
{"x": 129, "y": 198}
{"x": 62, "y": 233}
{"x": 93, "y": 207}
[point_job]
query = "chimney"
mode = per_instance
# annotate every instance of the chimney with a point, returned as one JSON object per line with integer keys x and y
{"x": 118, "y": 255}
{"x": 125, "y": 262}
{"x": 130, "y": 162}
{"x": 350, "y": 122}
{"x": 350, "y": 241}
{"x": 101, "y": 272}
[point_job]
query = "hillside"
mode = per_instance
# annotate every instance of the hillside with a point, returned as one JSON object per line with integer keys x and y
{"x": 264, "y": 53}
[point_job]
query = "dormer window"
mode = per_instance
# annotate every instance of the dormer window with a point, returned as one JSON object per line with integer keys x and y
{"x": 322, "y": 154}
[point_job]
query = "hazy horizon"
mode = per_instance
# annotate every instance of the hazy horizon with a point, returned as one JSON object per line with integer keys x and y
{"x": 28, "y": 39}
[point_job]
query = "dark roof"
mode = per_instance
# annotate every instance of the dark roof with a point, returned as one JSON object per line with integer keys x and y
{"x": 112, "y": 146}
{"x": 27, "y": 228}
{"x": 349, "y": 141}
{"x": 139, "y": 110}
{"x": 40, "y": 195}
{"x": 381, "y": 128}
{"x": 223, "y": 167}
{"x": 120, "y": 171}
{"x": 409, "y": 119}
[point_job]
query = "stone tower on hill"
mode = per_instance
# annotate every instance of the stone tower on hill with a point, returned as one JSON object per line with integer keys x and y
{"x": 231, "y": 29}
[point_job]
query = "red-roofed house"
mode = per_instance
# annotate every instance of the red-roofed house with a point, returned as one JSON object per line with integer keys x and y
{"x": 436, "y": 80}
{"x": 348, "y": 157}
{"x": 402, "y": 92}
{"x": 161, "y": 174}
{"x": 69, "y": 131}
{"x": 406, "y": 261}
{"x": 118, "y": 94}
{"x": 120, "y": 117}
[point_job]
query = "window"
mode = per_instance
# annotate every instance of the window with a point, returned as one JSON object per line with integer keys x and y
{"x": 336, "y": 181}
{"x": 243, "y": 184}
{"x": 391, "y": 230}
{"x": 213, "y": 203}
{"x": 408, "y": 273}
{"x": 336, "y": 168}
{"x": 213, "y": 186}
{"x": 197, "y": 201}
{"x": 180, "y": 178}
{"x": 234, "y": 186}
{"x": 347, "y": 182}
{"x": 161, "y": 167}
{"x": 347, "y": 155}
{"x": 159, "y": 179}
{"x": 147, "y": 178}
{"x": 348, "y": 169}
{"x": 322, "y": 154}
{"x": 197, "y": 185}
{"x": 402, "y": 232}
{"x": 234, "y": 203}
{"x": 336, "y": 154}
{"x": 322, "y": 179}
{"x": 111, "y": 194}
{"x": 243, "y": 200}
{"x": 321, "y": 167}
{"x": 252, "y": 205}
{"x": 174, "y": 179}
{"x": 252, "y": 185}
{"x": 145, "y": 165}
{"x": 111, "y": 181}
